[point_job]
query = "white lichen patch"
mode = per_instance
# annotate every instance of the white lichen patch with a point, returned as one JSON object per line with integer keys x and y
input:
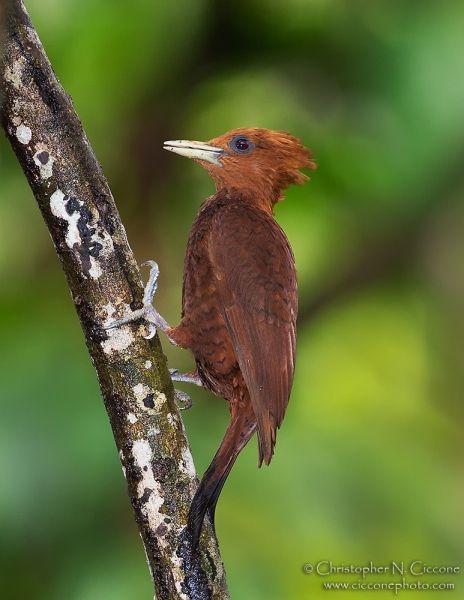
{"x": 141, "y": 391}
{"x": 148, "y": 364}
{"x": 106, "y": 248}
{"x": 99, "y": 240}
{"x": 24, "y": 134}
{"x": 186, "y": 464}
{"x": 159, "y": 399}
{"x": 13, "y": 75}
{"x": 95, "y": 270}
{"x": 119, "y": 338}
{"x": 147, "y": 398}
{"x": 121, "y": 456}
{"x": 132, "y": 418}
{"x": 142, "y": 454}
{"x": 44, "y": 161}
{"x": 172, "y": 419}
{"x": 110, "y": 309}
{"x": 148, "y": 488}
{"x": 151, "y": 501}
{"x": 118, "y": 308}
{"x": 58, "y": 202}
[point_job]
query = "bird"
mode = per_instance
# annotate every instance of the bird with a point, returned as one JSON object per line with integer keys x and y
{"x": 239, "y": 295}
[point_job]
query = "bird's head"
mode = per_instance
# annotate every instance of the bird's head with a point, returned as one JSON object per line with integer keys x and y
{"x": 262, "y": 161}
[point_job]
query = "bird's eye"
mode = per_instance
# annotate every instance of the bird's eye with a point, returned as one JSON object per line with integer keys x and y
{"x": 241, "y": 145}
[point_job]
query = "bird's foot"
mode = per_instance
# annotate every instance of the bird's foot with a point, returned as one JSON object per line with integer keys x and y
{"x": 153, "y": 318}
{"x": 184, "y": 402}
{"x": 191, "y": 377}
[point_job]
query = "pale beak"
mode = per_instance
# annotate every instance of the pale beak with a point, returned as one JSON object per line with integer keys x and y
{"x": 196, "y": 150}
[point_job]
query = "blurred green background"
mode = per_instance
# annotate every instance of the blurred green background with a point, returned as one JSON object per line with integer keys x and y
{"x": 368, "y": 465}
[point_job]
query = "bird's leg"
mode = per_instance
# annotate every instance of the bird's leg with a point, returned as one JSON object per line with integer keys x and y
{"x": 180, "y": 396}
{"x": 153, "y": 318}
{"x": 191, "y": 377}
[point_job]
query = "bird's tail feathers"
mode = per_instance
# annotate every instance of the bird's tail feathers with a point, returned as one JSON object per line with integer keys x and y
{"x": 266, "y": 441}
{"x": 239, "y": 431}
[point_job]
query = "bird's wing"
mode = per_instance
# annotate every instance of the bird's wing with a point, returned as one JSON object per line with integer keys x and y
{"x": 254, "y": 273}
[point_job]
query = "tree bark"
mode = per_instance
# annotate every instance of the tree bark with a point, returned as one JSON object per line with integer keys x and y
{"x": 105, "y": 284}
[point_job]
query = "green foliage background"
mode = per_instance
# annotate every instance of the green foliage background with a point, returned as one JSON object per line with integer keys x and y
{"x": 369, "y": 460}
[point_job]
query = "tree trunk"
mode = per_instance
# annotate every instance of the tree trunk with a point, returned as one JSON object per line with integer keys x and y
{"x": 105, "y": 283}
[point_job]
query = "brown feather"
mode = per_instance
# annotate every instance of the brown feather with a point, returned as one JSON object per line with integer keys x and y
{"x": 255, "y": 277}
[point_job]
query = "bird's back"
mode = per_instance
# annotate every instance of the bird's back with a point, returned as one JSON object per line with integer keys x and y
{"x": 239, "y": 307}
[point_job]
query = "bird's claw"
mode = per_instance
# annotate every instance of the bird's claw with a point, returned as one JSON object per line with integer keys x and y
{"x": 182, "y": 398}
{"x": 152, "y": 283}
{"x": 151, "y": 331}
{"x": 148, "y": 313}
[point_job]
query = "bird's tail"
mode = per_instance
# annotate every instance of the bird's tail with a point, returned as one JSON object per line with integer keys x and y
{"x": 241, "y": 427}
